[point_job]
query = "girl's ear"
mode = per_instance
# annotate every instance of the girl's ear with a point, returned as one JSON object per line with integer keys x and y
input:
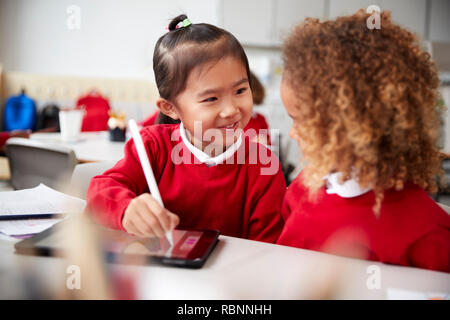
{"x": 167, "y": 107}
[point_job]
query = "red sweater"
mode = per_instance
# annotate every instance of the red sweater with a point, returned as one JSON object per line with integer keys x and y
{"x": 258, "y": 122}
{"x": 412, "y": 230}
{"x": 233, "y": 198}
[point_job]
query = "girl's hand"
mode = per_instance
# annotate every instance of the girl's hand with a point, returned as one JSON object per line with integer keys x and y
{"x": 144, "y": 217}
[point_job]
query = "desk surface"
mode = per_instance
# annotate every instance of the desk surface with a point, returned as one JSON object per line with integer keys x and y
{"x": 92, "y": 146}
{"x": 244, "y": 269}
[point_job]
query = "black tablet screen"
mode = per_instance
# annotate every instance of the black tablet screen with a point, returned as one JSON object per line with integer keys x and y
{"x": 122, "y": 243}
{"x": 184, "y": 242}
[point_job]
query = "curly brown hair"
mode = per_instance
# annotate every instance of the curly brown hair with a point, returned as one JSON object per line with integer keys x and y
{"x": 367, "y": 103}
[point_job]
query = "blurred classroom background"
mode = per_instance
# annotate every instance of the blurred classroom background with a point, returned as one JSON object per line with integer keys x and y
{"x": 61, "y": 50}
{"x": 57, "y": 50}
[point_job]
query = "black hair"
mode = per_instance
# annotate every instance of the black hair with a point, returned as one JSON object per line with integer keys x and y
{"x": 182, "y": 49}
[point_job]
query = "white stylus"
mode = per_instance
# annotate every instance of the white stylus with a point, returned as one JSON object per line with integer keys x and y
{"x": 146, "y": 166}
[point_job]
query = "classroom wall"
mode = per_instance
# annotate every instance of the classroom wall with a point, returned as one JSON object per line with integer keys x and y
{"x": 115, "y": 39}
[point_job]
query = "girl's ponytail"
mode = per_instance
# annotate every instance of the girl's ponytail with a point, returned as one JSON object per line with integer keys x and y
{"x": 175, "y": 21}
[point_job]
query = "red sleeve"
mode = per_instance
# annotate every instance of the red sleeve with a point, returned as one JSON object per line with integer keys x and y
{"x": 109, "y": 194}
{"x": 3, "y": 137}
{"x": 266, "y": 222}
{"x": 432, "y": 251}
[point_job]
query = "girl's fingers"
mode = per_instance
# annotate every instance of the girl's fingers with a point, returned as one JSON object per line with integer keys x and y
{"x": 159, "y": 212}
{"x": 145, "y": 229}
{"x": 174, "y": 220}
{"x": 135, "y": 221}
{"x": 131, "y": 228}
{"x": 140, "y": 227}
{"x": 149, "y": 220}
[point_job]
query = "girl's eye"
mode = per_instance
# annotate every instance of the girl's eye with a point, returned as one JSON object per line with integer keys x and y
{"x": 210, "y": 99}
{"x": 241, "y": 90}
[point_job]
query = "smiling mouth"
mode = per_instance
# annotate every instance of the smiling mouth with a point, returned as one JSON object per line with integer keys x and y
{"x": 232, "y": 126}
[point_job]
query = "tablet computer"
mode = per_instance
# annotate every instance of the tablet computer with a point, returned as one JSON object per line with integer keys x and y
{"x": 191, "y": 248}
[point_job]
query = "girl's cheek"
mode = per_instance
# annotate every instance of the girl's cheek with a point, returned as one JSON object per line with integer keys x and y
{"x": 294, "y": 135}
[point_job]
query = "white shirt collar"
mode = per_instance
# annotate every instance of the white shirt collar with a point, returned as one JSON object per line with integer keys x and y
{"x": 348, "y": 189}
{"x": 205, "y": 158}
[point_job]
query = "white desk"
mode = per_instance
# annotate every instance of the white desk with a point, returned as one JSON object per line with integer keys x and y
{"x": 243, "y": 269}
{"x": 92, "y": 146}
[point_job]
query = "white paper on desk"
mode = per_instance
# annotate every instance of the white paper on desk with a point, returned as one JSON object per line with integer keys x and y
{"x": 26, "y": 226}
{"x": 38, "y": 200}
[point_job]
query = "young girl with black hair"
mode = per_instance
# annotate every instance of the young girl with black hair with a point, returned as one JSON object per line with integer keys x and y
{"x": 221, "y": 182}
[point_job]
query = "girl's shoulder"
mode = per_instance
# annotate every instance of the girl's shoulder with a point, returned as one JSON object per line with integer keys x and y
{"x": 257, "y": 122}
{"x": 416, "y": 208}
{"x": 160, "y": 139}
{"x": 259, "y": 156}
{"x": 296, "y": 188}
{"x": 161, "y": 132}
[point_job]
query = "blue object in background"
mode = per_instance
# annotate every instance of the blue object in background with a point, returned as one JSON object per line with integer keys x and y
{"x": 19, "y": 113}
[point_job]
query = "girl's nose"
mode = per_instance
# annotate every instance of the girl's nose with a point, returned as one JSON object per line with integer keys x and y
{"x": 230, "y": 110}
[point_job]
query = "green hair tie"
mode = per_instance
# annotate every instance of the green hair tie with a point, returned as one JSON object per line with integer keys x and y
{"x": 186, "y": 22}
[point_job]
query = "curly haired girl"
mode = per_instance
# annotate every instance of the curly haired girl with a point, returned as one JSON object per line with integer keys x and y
{"x": 363, "y": 104}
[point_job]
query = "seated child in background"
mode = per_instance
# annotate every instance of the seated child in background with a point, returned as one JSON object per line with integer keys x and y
{"x": 203, "y": 77}
{"x": 363, "y": 104}
{"x": 257, "y": 121}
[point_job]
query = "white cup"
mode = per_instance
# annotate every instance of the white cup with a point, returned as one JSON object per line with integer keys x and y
{"x": 70, "y": 124}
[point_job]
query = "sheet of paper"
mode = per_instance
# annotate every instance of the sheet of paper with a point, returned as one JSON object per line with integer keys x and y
{"x": 26, "y": 226}
{"x": 38, "y": 200}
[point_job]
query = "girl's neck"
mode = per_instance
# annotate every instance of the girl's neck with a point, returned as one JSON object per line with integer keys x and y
{"x": 212, "y": 152}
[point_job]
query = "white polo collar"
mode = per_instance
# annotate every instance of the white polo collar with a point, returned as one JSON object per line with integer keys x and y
{"x": 349, "y": 189}
{"x": 205, "y": 158}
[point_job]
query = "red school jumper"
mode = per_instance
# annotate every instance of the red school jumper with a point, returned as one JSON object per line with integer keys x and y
{"x": 235, "y": 198}
{"x": 258, "y": 122}
{"x": 412, "y": 230}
